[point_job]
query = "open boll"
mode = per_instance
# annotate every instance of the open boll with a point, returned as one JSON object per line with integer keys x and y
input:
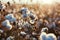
{"x": 7, "y": 24}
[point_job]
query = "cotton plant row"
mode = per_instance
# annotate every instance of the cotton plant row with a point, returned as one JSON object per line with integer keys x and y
{"x": 10, "y": 18}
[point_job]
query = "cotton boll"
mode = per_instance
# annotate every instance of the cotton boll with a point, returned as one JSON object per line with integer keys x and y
{"x": 43, "y": 36}
{"x": 10, "y": 38}
{"x": 24, "y": 15}
{"x": 31, "y": 15}
{"x": 34, "y": 33}
{"x": 1, "y": 31}
{"x": 44, "y": 29}
{"x": 9, "y": 26}
{"x": 10, "y": 17}
{"x": 20, "y": 23}
{"x": 6, "y": 23}
{"x": 23, "y": 10}
{"x": 32, "y": 21}
{"x": 22, "y": 33}
{"x": 35, "y": 17}
{"x": 49, "y": 36}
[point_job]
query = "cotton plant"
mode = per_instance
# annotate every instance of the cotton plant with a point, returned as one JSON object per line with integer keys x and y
{"x": 7, "y": 24}
{"x": 45, "y": 36}
{"x": 10, "y": 17}
{"x": 32, "y": 18}
{"x": 24, "y": 12}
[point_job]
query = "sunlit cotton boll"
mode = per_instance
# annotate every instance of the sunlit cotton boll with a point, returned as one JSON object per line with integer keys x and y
{"x": 10, "y": 17}
{"x": 49, "y": 36}
{"x": 45, "y": 36}
{"x": 7, "y": 24}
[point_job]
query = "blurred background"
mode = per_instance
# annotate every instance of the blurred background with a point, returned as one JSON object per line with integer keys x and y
{"x": 30, "y": 1}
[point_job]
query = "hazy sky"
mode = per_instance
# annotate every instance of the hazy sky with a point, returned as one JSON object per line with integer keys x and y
{"x": 28, "y": 1}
